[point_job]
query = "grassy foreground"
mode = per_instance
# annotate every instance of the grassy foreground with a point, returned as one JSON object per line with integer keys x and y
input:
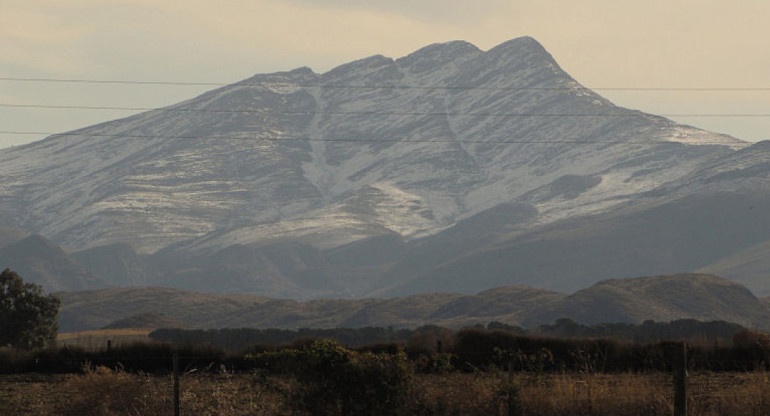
{"x": 97, "y": 339}
{"x": 101, "y": 391}
{"x": 461, "y": 374}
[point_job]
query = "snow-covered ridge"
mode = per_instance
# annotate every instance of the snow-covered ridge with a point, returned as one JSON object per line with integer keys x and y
{"x": 378, "y": 146}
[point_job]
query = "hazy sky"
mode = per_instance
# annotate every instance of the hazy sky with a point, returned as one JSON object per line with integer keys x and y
{"x": 601, "y": 43}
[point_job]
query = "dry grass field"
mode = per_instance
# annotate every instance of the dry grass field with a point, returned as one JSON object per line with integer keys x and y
{"x": 321, "y": 377}
{"x": 100, "y": 391}
{"x": 97, "y": 339}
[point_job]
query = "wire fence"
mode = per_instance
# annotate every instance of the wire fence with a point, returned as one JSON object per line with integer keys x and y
{"x": 191, "y": 381}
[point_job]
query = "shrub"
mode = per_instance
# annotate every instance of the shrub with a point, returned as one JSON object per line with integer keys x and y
{"x": 336, "y": 381}
{"x": 102, "y": 391}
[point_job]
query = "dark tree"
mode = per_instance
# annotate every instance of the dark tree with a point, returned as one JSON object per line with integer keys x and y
{"x": 27, "y": 315}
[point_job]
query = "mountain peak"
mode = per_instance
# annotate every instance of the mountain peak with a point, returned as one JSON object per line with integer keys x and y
{"x": 300, "y": 74}
{"x": 523, "y": 43}
{"x": 438, "y": 54}
{"x": 524, "y": 51}
{"x": 37, "y": 242}
{"x": 362, "y": 67}
{"x": 38, "y": 260}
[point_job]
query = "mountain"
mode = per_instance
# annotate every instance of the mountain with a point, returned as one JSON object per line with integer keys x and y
{"x": 118, "y": 265}
{"x": 658, "y": 298}
{"x": 749, "y": 267}
{"x": 713, "y": 219}
{"x": 10, "y": 236}
{"x": 649, "y": 235}
{"x": 145, "y": 321}
{"x": 96, "y": 309}
{"x": 38, "y": 260}
{"x": 449, "y": 169}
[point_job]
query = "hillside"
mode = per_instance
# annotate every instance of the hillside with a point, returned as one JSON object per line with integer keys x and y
{"x": 449, "y": 169}
{"x": 96, "y": 309}
{"x": 749, "y": 267}
{"x": 659, "y": 298}
{"x": 39, "y": 260}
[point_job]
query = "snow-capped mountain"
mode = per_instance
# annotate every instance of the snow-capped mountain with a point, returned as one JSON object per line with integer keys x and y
{"x": 451, "y": 149}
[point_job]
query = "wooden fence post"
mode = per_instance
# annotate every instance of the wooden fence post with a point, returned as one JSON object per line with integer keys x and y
{"x": 679, "y": 367}
{"x": 175, "y": 364}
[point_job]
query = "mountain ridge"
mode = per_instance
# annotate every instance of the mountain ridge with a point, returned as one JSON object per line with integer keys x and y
{"x": 450, "y": 167}
{"x": 716, "y": 299}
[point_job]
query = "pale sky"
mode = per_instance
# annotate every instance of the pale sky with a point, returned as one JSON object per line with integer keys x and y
{"x": 601, "y": 43}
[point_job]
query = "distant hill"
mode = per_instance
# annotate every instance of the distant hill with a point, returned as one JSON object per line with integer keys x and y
{"x": 38, "y": 260}
{"x": 145, "y": 321}
{"x": 10, "y": 236}
{"x": 95, "y": 309}
{"x": 658, "y": 298}
{"x": 118, "y": 265}
{"x": 749, "y": 267}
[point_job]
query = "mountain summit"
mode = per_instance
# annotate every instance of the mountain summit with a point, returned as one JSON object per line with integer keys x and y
{"x": 450, "y": 151}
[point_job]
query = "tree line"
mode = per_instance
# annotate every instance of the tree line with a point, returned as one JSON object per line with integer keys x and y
{"x": 234, "y": 339}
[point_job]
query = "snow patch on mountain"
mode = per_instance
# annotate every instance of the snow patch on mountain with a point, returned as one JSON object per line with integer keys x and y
{"x": 377, "y": 146}
{"x": 689, "y": 135}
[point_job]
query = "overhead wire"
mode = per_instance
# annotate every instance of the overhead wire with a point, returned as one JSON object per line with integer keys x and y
{"x": 296, "y": 138}
{"x": 627, "y": 113}
{"x": 381, "y": 86}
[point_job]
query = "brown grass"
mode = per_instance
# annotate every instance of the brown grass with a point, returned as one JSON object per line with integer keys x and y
{"x": 100, "y": 391}
{"x": 96, "y": 340}
{"x": 598, "y": 394}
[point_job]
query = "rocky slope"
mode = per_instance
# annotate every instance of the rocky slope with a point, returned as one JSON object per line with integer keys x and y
{"x": 451, "y": 168}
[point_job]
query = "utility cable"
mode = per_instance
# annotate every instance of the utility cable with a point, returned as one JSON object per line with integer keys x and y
{"x": 628, "y": 113}
{"x": 354, "y": 86}
{"x": 291, "y": 138}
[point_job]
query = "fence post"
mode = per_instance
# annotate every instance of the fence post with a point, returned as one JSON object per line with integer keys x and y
{"x": 679, "y": 367}
{"x": 513, "y": 402}
{"x": 175, "y": 364}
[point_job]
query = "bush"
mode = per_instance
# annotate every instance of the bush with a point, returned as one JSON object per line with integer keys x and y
{"x": 336, "y": 381}
{"x": 102, "y": 391}
{"x": 753, "y": 347}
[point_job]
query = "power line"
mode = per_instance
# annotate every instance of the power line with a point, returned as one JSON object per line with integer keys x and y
{"x": 109, "y": 81}
{"x": 630, "y": 113}
{"x": 291, "y": 138}
{"x": 344, "y": 86}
